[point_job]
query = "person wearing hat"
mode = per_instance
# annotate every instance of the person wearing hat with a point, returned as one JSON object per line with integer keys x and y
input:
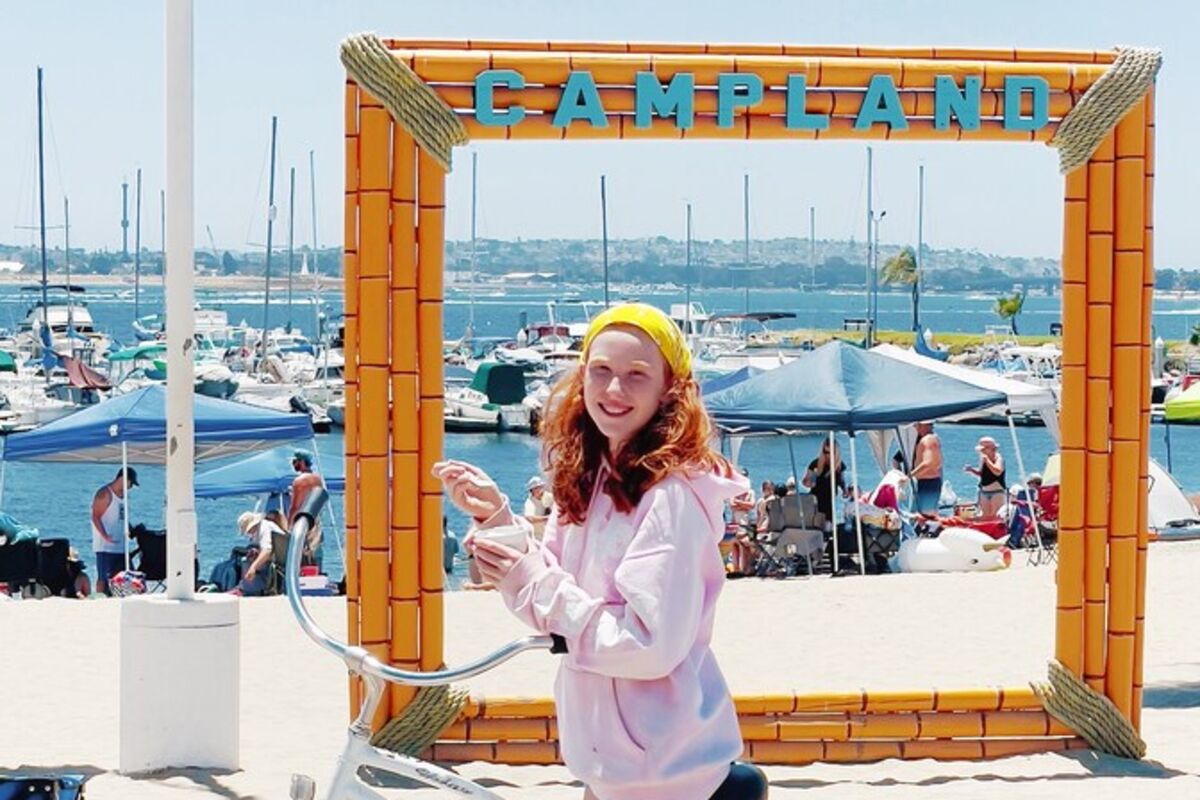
{"x": 992, "y": 486}
{"x": 255, "y": 572}
{"x": 629, "y": 571}
{"x": 538, "y": 505}
{"x": 305, "y": 482}
{"x": 108, "y": 527}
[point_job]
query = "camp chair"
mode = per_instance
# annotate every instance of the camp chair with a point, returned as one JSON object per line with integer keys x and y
{"x": 279, "y": 553}
{"x": 791, "y": 534}
{"x": 150, "y": 556}
{"x": 52, "y": 569}
{"x": 18, "y": 564}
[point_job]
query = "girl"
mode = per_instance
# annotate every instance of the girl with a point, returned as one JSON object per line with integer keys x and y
{"x": 628, "y": 571}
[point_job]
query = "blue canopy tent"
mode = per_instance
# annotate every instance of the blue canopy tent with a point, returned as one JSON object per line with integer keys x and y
{"x": 839, "y": 387}
{"x": 132, "y": 428}
{"x": 269, "y": 472}
{"x": 714, "y": 385}
{"x": 265, "y": 474}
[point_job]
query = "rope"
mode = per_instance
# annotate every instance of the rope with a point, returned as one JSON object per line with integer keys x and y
{"x": 1104, "y": 103}
{"x": 418, "y": 726}
{"x": 1089, "y": 713}
{"x": 412, "y": 103}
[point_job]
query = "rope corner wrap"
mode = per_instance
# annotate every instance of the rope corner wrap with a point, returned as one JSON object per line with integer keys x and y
{"x": 414, "y": 105}
{"x": 1104, "y": 104}
{"x": 418, "y": 726}
{"x": 1090, "y": 714}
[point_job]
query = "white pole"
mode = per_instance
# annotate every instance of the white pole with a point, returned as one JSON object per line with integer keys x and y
{"x": 329, "y": 506}
{"x": 833, "y": 502}
{"x": 1012, "y": 429}
{"x": 862, "y": 556}
{"x": 125, "y": 498}
{"x": 181, "y": 504}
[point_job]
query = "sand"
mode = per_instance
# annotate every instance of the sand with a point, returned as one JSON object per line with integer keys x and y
{"x": 59, "y": 692}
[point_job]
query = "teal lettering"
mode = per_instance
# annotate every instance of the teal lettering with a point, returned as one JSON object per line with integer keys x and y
{"x": 580, "y": 100}
{"x": 736, "y": 90}
{"x": 1014, "y": 86}
{"x": 881, "y": 103}
{"x": 798, "y": 117}
{"x": 964, "y": 105}
{"x": 652, "y": 98}
{"x": 485, "y": 109}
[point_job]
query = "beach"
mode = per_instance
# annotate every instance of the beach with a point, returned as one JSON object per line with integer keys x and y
{"x": 59, "y": 699}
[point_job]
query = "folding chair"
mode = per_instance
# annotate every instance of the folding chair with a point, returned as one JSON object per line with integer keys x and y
{"x": 52, "y": 569}
{"x": 150, "y": 556}
{"x": 280, "y": 542}
{"x": 802, "y": 536}
{"x": 18, "y": 564}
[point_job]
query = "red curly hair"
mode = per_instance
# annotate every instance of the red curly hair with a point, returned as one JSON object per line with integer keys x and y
{"x": 675, "y": 439}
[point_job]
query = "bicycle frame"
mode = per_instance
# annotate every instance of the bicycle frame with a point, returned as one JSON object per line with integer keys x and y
{"x": 359, "y": 751}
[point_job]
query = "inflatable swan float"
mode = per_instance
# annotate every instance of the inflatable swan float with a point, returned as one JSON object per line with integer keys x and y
{"x": 954, "y": 550}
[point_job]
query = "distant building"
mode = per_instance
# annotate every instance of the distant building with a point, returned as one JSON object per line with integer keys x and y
{"x": 11, "y": 266}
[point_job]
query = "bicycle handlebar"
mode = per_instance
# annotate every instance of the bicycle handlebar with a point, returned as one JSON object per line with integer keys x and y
{"x": 357, "y": 658}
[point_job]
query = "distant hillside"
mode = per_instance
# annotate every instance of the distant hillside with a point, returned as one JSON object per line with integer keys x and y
{"x": 773, "y": 263}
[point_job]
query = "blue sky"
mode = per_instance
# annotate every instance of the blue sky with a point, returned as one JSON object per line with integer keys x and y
{"x": 104, "y": 87}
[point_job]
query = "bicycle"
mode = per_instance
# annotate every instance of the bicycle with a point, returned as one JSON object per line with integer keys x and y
{"x": 359, "y": 752}
{"x": 745, "y": 782}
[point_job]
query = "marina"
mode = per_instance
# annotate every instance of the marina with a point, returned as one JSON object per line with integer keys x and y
{"x": 878, "y": 478}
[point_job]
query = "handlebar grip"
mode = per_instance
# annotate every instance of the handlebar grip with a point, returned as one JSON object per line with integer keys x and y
{"x": 313, "y": 504}
{"x": 560, "y": 644}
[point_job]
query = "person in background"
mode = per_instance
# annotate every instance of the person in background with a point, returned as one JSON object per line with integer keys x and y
{"x": 256, "y": 572}
{"x": 108, "y": 527}
{"x": 538, "y": 504}
{"x": 305, "y": 482}
{"x": 992, "y": 484}
{"x": 927, "y": 469}
{"x": 742, "y": 553}
{"x": 790, "y": 485}
{"x": 826, "y": 469}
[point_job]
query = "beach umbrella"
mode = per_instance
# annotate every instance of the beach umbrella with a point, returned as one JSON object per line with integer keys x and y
{"x": 269, "y": 472}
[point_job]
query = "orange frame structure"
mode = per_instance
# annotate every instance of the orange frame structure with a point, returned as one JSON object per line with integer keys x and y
{"x": 394, "y": 243}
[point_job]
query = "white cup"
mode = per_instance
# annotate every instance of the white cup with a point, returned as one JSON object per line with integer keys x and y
{"x": 513, "y": 536}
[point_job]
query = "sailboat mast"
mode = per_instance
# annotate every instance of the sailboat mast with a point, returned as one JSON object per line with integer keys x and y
{"x": 471, "y": 306}
{"x": 291, "y": 243}
{"x": 137, "y": 248}
{"x": 42, "y": 213}
{"x": 270, "y": 230}
{"x": 920, "y": 247}
{"x": 870, "y": 217}
{"x": 162, "y": 234}
{"x": 67, "y": 244}
{"x": 812, "y": 245}
{"x": 746, "y": 243}
{"x": 312, "y": 186}
{"x": 604, "y": 233}
{"x": 687, "y": 279}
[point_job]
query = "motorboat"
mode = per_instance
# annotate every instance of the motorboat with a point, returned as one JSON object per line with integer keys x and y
{"x": 494, "y": 401}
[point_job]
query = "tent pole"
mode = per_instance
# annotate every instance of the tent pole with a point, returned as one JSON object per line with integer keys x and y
{"x": 125, "y": 499}
{"x": 1167, "y": 437}
{"x": 833, "y": 501}
{"x": 329, "y": 506}
{"x": 1012, "y": 429}
{"x": 792, "y": 456}
{"x": 862, "y": 556}
{"x": 3, "y": 470}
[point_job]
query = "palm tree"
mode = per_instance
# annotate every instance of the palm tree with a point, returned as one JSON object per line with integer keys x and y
{"x": 902, "y": 269}
{"x": 1009, "y": 307}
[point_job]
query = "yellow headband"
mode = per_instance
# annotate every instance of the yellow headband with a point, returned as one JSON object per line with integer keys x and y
{"x": 652, "y": 322}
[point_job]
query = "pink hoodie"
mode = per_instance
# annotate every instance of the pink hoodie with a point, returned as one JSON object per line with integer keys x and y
{"x": 643, "y": 711}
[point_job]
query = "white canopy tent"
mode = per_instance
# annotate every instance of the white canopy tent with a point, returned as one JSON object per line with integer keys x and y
{"x": 1022, "y": 397}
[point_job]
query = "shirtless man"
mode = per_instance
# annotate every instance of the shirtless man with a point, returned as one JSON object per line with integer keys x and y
{"x": 306, "y": 480}
{"x": 927, "y": 468}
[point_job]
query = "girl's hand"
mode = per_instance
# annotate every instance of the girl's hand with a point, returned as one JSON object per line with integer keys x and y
{"x": 471, "y": 490}
{"x": 495, "y": 560}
